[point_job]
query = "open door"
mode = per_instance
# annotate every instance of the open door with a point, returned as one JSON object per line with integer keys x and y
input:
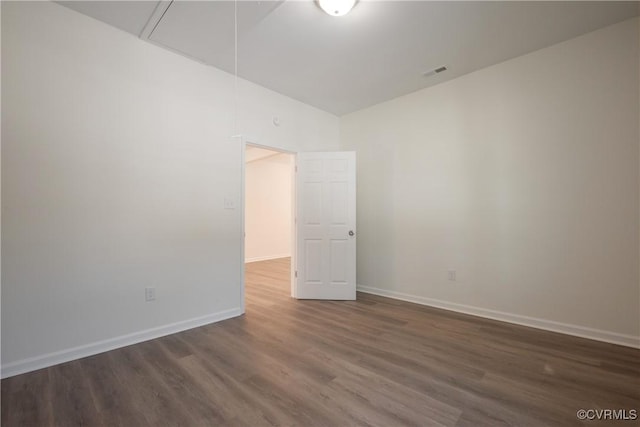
{"x": 325, "y": 262}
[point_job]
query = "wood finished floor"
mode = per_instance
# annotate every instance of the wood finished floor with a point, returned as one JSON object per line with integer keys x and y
{"x": 374, "y": 361}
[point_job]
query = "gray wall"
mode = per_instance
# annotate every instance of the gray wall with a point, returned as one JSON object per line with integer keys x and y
{"x": 117, "y": 158}
{"x": 521, "y": 177}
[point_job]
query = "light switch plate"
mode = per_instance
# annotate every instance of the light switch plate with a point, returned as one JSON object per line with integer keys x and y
{"x": 229, "y": 203}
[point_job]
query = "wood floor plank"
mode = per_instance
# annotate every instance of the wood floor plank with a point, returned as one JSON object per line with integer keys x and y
{"x": 29, "y": 396}
{"x": 237, "y": 407}
{"x": 71, "y": 398}
{"x": 149, "y": 397}
{"x": 413, "y": 406}
{"x": 192, "y": 395}
{"x": 112, "y": 400}
{"x": 369, "y": 362}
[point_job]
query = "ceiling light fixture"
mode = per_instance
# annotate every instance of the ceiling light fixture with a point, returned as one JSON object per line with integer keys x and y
{"x": 337, "y": 7}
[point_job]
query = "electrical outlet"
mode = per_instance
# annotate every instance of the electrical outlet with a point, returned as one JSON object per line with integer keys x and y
{"x": 149, "y": 294}
{"x": 451, "y": 274}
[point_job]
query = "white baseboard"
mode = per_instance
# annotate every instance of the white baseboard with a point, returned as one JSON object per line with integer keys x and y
{"x": 548, "y": 325}
{"x": 265, "y": 258}
{"x": 50, "y": 359}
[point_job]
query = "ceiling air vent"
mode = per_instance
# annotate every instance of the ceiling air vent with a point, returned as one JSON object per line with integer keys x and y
{"x": 434, "y": 71}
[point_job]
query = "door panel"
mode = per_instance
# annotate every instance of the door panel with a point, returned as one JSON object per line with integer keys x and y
{"x": 326, "y": 214}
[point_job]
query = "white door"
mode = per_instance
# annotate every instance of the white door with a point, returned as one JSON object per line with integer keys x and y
{"x": 325, "y": 262}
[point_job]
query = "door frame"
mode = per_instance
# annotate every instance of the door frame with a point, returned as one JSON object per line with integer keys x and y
{"x": 252, "y": 142}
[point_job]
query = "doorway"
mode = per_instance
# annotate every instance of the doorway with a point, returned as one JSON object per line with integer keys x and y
{"x": 268, "y": 218}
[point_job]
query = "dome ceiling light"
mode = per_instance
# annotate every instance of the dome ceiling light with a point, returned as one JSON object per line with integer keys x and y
{"x": 337, "y": 7}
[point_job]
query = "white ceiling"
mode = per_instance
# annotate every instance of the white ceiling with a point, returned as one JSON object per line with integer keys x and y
{"x": 130, "y": 16}
{"x": 377, "y": 52}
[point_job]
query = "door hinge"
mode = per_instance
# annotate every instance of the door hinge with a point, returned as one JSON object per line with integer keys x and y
{"x": 296, "y": 274}
{"x": 296, "y": 168}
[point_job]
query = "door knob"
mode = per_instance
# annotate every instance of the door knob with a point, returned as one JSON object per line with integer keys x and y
{"x": 351, "y": 233}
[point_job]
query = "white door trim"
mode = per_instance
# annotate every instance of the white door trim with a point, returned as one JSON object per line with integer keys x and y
{"x": 252, "y": 142}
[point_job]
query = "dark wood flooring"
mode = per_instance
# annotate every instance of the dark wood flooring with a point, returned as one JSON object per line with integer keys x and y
{"x": 370, "y": 362}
